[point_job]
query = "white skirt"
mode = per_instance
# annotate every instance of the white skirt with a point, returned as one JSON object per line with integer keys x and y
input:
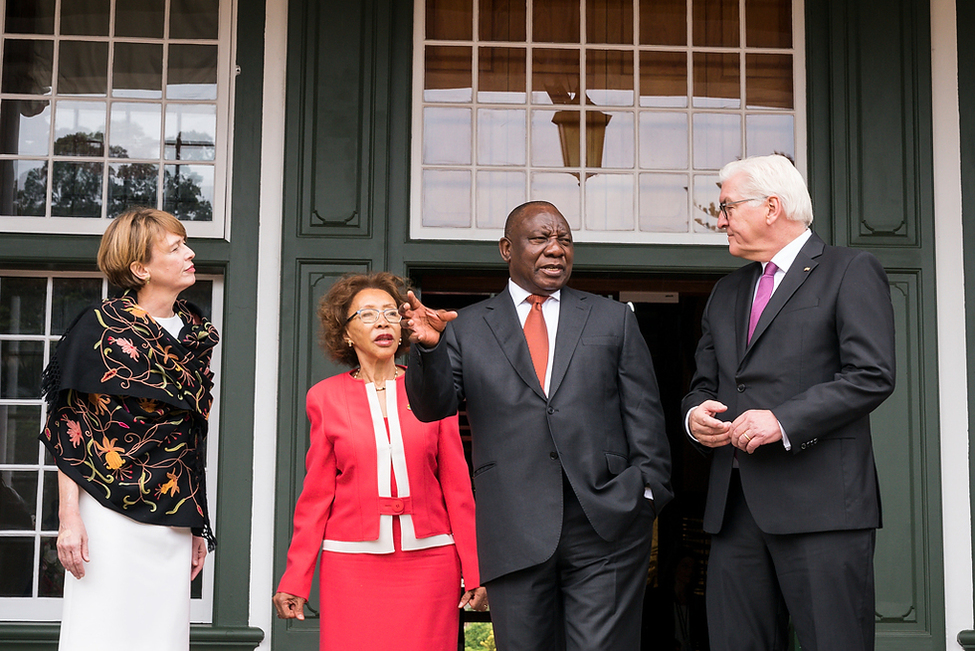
{"x": 136, "y": 590}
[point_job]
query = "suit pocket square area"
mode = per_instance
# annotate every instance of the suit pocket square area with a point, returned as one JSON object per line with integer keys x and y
{"x": 484, "y": 468}
{"x": 601, "y": 340}
{"x": 616, "y": 463}
{"x": 800, "y": 305}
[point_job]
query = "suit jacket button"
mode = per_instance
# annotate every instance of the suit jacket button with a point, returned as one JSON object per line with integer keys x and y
{"x": 551, "y": 410}
{"x": 741, "y": 388}
{"x": 553, "y": 455}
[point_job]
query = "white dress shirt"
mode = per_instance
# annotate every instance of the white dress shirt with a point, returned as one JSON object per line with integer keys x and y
{"x": 550, "y": 312}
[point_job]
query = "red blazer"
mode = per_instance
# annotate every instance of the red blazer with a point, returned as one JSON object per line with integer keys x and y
{"x": 340, "y": 498}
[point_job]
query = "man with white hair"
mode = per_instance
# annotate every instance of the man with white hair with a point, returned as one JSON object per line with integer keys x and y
{"x": 796, "y": 350}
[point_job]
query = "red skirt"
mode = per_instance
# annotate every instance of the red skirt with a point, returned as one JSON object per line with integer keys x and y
{"x": 376, "y": 602}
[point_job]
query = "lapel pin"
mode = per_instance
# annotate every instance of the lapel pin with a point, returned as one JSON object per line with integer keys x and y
{"x": 806, "y": 269}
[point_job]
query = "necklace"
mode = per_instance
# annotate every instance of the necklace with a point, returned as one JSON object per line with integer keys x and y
{"x": 379, "y": 386}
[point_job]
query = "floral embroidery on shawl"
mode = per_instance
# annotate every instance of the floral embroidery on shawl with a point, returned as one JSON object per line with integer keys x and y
{"x": 128, "y": 411}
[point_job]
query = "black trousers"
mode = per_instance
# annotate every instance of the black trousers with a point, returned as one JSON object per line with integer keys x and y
{"x": 587, "y": 597}
{"x": 756, "y": 581}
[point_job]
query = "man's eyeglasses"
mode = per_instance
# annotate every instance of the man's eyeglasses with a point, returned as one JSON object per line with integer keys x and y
{"x": 369, "y": 315}
{"x": 724, "y": 205}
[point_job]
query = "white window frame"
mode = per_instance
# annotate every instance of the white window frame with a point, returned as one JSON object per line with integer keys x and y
{"x": 420, "y": 232}
{"x": 46, "y": 609}
{"x": 219, "y": 226}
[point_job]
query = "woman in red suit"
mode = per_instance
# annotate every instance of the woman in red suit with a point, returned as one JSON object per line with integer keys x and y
{"x": 387, "y": 499}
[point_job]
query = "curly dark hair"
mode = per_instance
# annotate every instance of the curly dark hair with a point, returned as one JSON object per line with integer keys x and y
{"x": 333, "y": 310}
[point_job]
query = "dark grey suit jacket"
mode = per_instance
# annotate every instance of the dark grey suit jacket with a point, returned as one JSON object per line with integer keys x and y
{"x": 602, "y": 422}
{"x": 821, "y": 359}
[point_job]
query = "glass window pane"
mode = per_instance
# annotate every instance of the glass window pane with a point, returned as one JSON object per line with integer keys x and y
{"x": 19, "y": 425}
{"x": 704, "y": 214}
{"x": 188, "y": 192}
{"x": 555, "y": 138}
{"x": 768, "y": 23}
{"x": 29, "y": 16}
{"x": 663, "y": 22}
{"x": 22, "y": 305}
{"x": 76, "y": 189}
{"x": 717, "y": 81}
{"x": 663, "y": 79}
{"x": 23, "y": 187}
{"x": 135, "y": 130}
{"x": 25, "y": 127}
{"x": 609, "y": 21}
{"x": 134, "y": 184}
{"x": 83, "y": 68}
{"x": 447, "y": 74}
{"x": 71, "y": 295}
{"x": 663, "y": 141}
{"x": 609, "y": 202}
{"x": 28, "y": 67}
{"x": 18, "y": 499}
{"x": 610, "y": 140}
{"x": 447, "y": 136}
{"x": 192, "y": 72}
{"x": 86, "y": 17}
{"x": 16, "y": 564}
{"x": 717, "y": 140}
{"x": 768, "y": 81}
{"x": 200, "y": 294}
{"x": 609, "y": 77}
{"x": 144, "y": 18}
{"x": 79, "y": 128}
{"x": 501, "y": 137}
{"x": 21, "y": 363}
{"x": 501, "y": 75}
{"x": 51, "y": 582}
{"x": 663, "y": 203}
{"x": 447, "y": 198}
{"x": 562, "y": 190}
{"x": 716, "y": 23}
{"x": 497, "y": 193}
{"x": 191, "y": 131}
{"x": 138, "y": 70}
{"x": 49, "y": 504}
{"x": 449, "y": 20}
{"x": 502, "y": 20}
{"x": 770, "y": 134}
{"x": 556, "y": 77}
{"x": 556, "y": 21}
{"x": 194, "y": 19}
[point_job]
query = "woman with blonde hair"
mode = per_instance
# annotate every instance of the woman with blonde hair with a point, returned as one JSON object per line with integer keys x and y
{"x": 128, "y": 390}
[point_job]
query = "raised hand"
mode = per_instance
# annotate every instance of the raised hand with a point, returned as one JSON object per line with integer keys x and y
{"x": 425, "y": 324}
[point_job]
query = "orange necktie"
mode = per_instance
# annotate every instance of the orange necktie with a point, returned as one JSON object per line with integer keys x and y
{"x": 536, "y": 334}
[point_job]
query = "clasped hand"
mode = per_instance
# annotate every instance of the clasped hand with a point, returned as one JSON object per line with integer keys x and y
{"x": 753, "y": 428}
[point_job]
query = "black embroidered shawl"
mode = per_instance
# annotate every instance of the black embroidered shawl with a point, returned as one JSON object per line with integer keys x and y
{"x": 128, "y": 408}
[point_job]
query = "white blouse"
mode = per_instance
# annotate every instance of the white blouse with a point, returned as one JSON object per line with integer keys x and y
{"x": 390, "y": 457}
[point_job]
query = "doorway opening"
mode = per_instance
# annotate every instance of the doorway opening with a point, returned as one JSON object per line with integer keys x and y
{"x": 668, "y": 308}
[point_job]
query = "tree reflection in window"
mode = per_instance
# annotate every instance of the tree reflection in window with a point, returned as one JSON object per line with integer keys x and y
{"x": 76, "y": 187}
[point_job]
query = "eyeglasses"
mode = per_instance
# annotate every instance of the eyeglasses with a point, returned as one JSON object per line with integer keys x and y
{"x": 724, "y": 205}
{"x": 370, "y": 315}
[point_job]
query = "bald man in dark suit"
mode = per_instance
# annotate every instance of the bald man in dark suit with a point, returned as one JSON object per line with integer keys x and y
{"x": 571, "y": 460}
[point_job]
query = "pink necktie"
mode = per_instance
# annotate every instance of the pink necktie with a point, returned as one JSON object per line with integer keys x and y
{"x": 765, "y": 285}
{"x": 536, "y": 334}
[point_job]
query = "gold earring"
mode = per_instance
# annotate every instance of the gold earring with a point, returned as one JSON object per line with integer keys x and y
{"x": 349, "y": 342}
